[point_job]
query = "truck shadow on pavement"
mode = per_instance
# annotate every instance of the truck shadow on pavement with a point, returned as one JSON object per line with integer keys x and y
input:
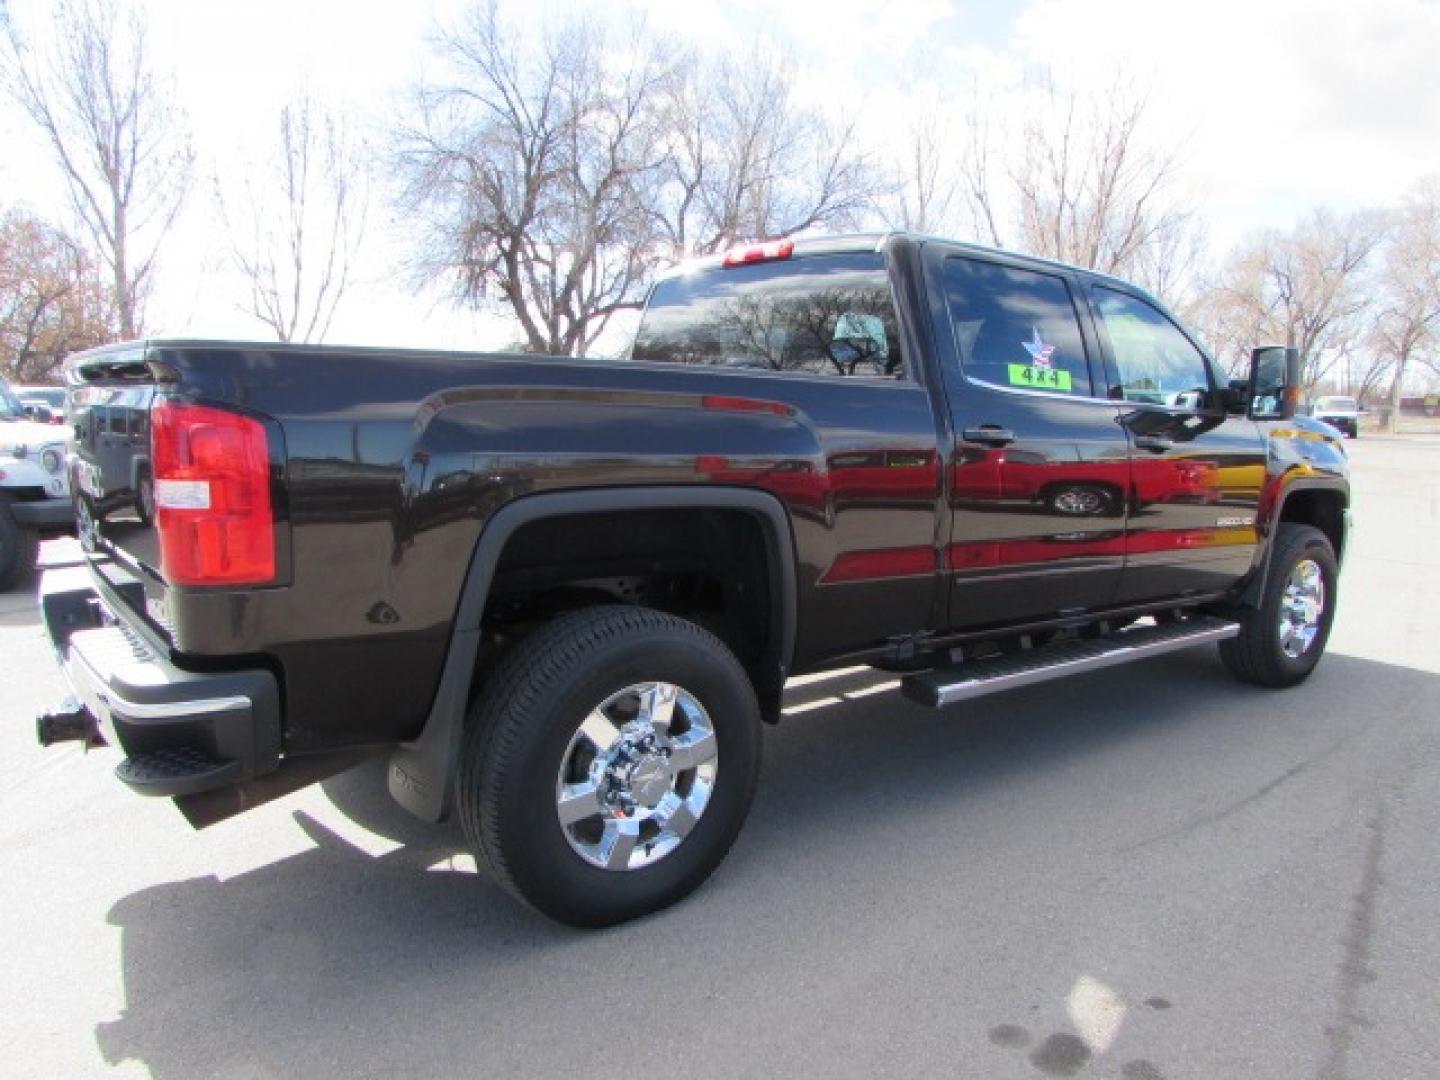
{"x": 336, "y": 962}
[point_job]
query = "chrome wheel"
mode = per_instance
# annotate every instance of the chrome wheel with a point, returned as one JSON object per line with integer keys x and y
{"x": 1302, "y": 606}
{"x": 1078, "y": 501}
{"x": 636, "y": 776}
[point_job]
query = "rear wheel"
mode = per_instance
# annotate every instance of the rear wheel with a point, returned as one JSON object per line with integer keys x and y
{"x": 19, "y": 547}
{"x": 610, "y": 763}
{"x": 1283, "y": 637}
{"x": 145, "y": 498}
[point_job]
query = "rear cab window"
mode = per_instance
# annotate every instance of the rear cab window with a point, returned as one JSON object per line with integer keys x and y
{"x": 1016, "y": 328}
{"x": 825, "y": 314}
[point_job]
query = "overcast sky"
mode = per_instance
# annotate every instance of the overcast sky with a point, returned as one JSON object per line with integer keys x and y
{"x": 1282, "y": 105}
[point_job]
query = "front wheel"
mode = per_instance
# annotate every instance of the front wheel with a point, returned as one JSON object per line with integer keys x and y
{"x": 1283, "y": 637}
{"x": 609, "y": 764}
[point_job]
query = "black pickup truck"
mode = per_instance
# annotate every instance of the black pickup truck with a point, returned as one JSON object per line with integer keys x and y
{"x": 564, "y": 594}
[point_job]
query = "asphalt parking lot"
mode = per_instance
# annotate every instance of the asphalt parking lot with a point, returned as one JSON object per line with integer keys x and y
{"x": 1142, "y": 873}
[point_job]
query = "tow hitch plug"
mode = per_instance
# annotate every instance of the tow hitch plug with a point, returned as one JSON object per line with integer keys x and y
{"x": 70, "y": 722}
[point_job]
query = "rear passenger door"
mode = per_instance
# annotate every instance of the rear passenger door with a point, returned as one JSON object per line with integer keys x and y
{"x": 1039, "y": 466}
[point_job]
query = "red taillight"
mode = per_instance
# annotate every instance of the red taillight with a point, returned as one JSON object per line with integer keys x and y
{"x": 753, "y": 253}
{"x": 211, "y": 472}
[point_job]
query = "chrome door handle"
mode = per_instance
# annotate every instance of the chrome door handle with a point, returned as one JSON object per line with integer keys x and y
{"x": 989, "y": 434}
{"x": 1153, "y": 442}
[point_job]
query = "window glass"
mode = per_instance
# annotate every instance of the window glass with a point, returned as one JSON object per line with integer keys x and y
{"x": 1155, "y": 361}
{"x": 821, "y": 315}
{"x": 1016, "y": 328}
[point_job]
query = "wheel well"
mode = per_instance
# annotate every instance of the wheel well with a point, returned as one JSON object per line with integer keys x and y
{"x": 1325, "y": 510}
{"x": 707, "y": 565}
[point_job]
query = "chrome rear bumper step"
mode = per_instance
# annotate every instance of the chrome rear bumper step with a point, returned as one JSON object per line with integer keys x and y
{"x": 945, "y": 686}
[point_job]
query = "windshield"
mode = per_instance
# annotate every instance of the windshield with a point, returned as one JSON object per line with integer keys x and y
{"x": 10, "y": 407}
{"x": 1340, "y": 404}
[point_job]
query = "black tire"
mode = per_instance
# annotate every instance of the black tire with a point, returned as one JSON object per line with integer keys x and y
{"x": 518, "y": 733}
{"x": 19, "y": 548}
{"x": 145, "y": 498}
{"x": 1256, "y": 655}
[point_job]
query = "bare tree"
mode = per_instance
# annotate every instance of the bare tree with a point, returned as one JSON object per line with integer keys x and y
{"x": 951, "y": 178}
{"x": 1369, "y": 375}
{"x": 555, "y": 174}
{"x": 532, "y": 167}
{"x": 1093, "y": 187}
{"x": 302, "y": 224}
{"x": 1407, "y": 328}
{"x": 925, "y": 186}
{"x": 1229, "y": 313}
{"x": 115, "y": 133}
{"x": 1172, "y": 266}
{"x": 52, "y": 299}
{"x": 977, "y": 170}
{"x": 1305, "y": 288}
{"x": 1080, "y": 177}
{"x": 742, "y": 161}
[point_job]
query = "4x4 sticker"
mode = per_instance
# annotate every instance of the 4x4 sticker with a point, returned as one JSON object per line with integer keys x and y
{"x": 1040, "y": 373}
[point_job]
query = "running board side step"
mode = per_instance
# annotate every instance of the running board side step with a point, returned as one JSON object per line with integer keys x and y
{"x": 945, "y": 686}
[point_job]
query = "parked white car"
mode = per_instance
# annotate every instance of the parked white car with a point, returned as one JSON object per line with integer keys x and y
{"x": 34, "y": 488}
{"x": 1342, "y": 413}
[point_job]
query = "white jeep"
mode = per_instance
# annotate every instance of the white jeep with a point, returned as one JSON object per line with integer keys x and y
{"x": 34, "y": 489}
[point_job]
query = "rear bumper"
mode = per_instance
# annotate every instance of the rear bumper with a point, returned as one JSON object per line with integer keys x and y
{"x": 45, "y": 514}
{"x": 182, "y": 732}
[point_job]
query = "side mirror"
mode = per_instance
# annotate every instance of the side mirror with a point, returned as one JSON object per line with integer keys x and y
{"x": 1274, "y": 384}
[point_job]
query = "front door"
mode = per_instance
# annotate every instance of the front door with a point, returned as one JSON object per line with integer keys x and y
{"x": 1039, "y": 469}
{"x": 1196, "y": 471}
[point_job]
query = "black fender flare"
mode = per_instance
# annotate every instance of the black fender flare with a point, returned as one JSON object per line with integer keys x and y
{"x": 420, "y": 772}
{"x": 1253, "y": 589}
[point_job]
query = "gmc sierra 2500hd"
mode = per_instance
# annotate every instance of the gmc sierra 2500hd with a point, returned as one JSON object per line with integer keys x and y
{"x": 564, "y": 594}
